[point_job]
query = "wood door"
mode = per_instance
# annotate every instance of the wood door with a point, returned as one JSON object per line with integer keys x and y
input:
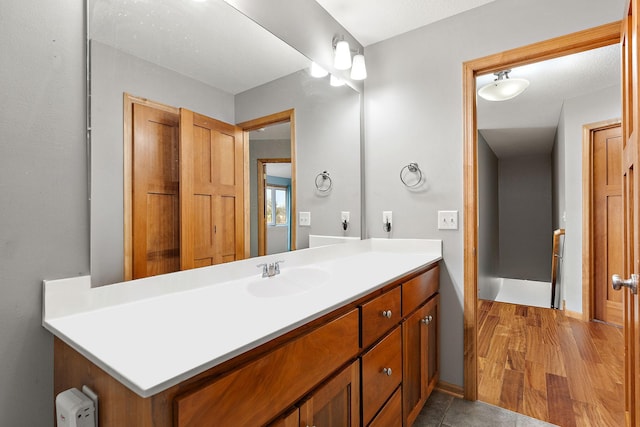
{"x": 336, "y": 403}
{"x": 631, "y": 200}
{"x": 155, "y": 201}
{"x": 211, "y": 191}
{"x": 607, "y": 221}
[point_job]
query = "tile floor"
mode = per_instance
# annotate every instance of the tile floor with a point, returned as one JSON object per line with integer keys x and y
{"x": 447, "y": 411}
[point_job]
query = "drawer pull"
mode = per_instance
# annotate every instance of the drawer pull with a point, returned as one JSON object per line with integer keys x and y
{"x": 427, "y": 319}
{"x": 387, "y": 371}
{"x": 387, "y": 314}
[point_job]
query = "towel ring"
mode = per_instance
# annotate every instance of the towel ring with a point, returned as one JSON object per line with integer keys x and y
{"x": 411, "y": 168}
{"x": 323, "y": 182}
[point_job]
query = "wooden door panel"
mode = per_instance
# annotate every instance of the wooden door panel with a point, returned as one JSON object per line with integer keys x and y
{"x": 163, "y": 239}
{"x": 212, "y": 188}
{"x": 155, "y": 176}
{"x": 607, "y": 222}
{"x": 631, "y": 203}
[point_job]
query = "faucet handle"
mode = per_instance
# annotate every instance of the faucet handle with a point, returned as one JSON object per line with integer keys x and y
{"x": 277, "y": 266}
{"x": 265, "y": 269}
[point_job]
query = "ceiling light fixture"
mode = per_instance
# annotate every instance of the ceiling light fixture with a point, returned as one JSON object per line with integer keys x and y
{"x": 503, "y": 88}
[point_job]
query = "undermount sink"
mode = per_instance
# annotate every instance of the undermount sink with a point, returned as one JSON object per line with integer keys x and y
{"x": 290, "y": 281}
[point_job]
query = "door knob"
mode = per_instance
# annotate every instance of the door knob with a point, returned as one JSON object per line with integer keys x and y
{"x": 632, "y": 283}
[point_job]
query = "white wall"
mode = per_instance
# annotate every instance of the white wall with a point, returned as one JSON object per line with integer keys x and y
{"x": 113, "y": 73}
{"x": 577, "y": 112}
{"x": 413, "y": 112}
{"x": 327, "y": 138}
{"x": 44, "y": 214}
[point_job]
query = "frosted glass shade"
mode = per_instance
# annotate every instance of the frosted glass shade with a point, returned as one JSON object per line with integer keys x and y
{"x": 358, "y": 70}
{"x": 317, "y": 71}
{"x": 342, "y": 59}
{"x": 335, "y": 81}
{"x": 501, "y": 90}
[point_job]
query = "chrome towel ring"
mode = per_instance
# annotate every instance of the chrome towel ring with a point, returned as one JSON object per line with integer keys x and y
{"x": 411, "y": 168}
{"x": 323, "y": 182}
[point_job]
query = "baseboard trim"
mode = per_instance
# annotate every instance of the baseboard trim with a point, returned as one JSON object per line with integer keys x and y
{"x": 451, "y": 389}
{"x": 573, "y": 314}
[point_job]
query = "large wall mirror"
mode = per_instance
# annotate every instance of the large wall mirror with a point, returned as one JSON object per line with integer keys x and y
{"x": 208, "y": 58}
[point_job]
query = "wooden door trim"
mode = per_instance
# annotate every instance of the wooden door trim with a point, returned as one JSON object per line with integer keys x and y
{"x": 262, "y": 229}
{"x": 588, "y": 266}
{"x": 255, "y": 124}
{"x": 127, "y": 173}
{"x": 601, "y": 36}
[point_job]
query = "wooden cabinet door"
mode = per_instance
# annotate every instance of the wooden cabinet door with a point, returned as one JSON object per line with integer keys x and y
{"x": 290, "y": 419}
{"x": 211, "y": 191}
{"x": 420, "y": 354}
{"x": 336, "y": 403}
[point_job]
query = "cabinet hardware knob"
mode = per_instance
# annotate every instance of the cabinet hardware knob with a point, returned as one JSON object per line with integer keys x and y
{"x": 387, "y": 314}
{"x": 427, "y": 319}
{"x": 387, "y": 371}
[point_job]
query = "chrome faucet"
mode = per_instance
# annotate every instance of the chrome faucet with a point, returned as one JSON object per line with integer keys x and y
{"x": 271, "y": 269}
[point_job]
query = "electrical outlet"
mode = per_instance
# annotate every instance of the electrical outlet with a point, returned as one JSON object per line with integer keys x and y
{"x": 344, "y": 216}
{"x": 305, "y": 219}
{"x": 387, "y": 220}
{"x": 447, "y": 220}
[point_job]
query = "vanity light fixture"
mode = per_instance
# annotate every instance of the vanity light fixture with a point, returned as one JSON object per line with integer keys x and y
{"x": 336, "y": 81}
{"x": 358, "y": 70}
{"x": 342, "y": 55}
{"x": 317, "y": 71}
{"x": 503, "y": 88}
{"x": 342, "y": 59}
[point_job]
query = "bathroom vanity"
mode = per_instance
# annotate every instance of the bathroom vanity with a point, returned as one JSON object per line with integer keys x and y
{"x": 346, "y": 333}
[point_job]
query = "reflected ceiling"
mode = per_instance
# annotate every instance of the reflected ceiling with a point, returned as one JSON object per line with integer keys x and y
{"x": 175, "y": 35}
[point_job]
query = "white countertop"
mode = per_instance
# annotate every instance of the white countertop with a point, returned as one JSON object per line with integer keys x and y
{"x": 153, "y": 333}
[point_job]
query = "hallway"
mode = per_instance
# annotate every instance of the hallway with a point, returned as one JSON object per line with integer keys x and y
{"x": 540, "y": 363}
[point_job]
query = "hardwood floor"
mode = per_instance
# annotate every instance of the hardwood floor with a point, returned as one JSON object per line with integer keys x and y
{"x": 540, "y": 363}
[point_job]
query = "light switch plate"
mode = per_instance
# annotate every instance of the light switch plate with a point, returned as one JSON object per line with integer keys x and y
{"x": 447, "y": 220}
{"x": 305, "y": 219}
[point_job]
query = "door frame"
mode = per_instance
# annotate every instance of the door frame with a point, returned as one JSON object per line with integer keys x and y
{"x": 581, "y": 41}
{"x": 588, "y": 267}
{"x": 255, "y": 124}
{"x": 262, "y": 228}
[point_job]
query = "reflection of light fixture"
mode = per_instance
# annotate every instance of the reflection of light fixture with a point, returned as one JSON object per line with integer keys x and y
{"x": 317, "y": 71}
{"x": 342, "y": 59}
{"x": 335, "y": 81}
{"x": 358, "y": 70}
{"x": 503, "y": 88}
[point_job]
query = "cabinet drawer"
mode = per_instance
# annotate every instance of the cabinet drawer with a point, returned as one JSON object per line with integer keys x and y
{"x": 258, "y": 391}
{"x": 391, "y": 413}
{"x": 380, "y": 315}
{"x": 381, "y": 373}
{"x": 419, "y": 289}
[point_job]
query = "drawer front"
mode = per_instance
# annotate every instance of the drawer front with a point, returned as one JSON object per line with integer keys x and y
{"x": 381, "y": 373}
{"x": 380, "y": 315}
{"x": 391, "y": 413}
{"x": 419, "y": 289}
{"x": 257, "y": 392}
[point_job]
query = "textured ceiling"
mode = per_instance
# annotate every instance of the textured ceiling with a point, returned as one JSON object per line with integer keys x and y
{"x": 539, "y": 107}
{"x": 373, "y": 21}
